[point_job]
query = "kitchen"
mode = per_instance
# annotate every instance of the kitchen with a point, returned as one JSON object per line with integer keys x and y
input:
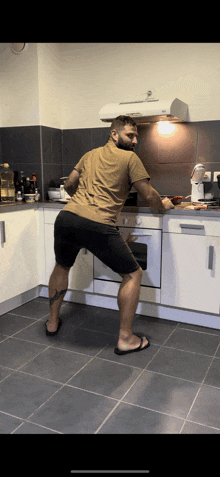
{"x": 51, "y": 96}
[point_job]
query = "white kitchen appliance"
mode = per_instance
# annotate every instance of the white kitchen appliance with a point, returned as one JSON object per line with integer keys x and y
{"x": 149, "y": 110}
{"x": 146, "y": 248}
{"x": 197, "y": 177}
{"x": 58, "y": 194}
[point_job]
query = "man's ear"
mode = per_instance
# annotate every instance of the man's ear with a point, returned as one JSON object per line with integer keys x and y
{"x": 114, "y": 135}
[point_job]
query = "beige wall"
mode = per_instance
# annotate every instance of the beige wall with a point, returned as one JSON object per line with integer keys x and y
{"x": 64, "y": 85}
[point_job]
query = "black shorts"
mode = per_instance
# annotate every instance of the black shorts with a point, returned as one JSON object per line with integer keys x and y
{"x": 72, "y": 232}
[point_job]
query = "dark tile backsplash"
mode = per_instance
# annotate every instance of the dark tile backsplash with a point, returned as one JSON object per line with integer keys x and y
{"x": 169, "y": 159}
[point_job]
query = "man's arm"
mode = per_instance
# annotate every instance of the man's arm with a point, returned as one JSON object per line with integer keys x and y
{"x": 71, "y": 183}
{"x": 151, "y": 196}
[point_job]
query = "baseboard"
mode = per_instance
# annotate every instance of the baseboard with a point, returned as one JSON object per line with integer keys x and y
{"x": 19, "y": 300}
{"x": 143, "y": 308}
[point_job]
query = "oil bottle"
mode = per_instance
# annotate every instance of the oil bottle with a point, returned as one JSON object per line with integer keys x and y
{"x": 7, "y": 187}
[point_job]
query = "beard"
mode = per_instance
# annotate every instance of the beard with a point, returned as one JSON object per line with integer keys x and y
{"x": 123, "y": 145}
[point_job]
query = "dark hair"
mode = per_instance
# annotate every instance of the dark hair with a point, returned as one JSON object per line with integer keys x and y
{"x": 121, "y": 121}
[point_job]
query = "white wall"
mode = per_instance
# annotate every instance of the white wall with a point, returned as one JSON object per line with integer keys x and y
{"x": 50, "y": 83}
{"x": 19, "y": 96}
{"x": 30, "y": 86}
{"x": 96, "y": 74}
{"x": 64, "y": 85}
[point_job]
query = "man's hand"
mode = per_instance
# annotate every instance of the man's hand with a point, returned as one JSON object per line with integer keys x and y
{"x": 167, "y": 204}
{"x": 151, "y": 196}
{"x": 71, "y": 183}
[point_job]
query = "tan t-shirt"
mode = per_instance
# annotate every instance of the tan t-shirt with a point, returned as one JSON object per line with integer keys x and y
{"x": 106, "y": 177}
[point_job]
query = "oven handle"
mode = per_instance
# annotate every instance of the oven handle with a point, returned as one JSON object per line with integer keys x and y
{"x": 140, "y": 235}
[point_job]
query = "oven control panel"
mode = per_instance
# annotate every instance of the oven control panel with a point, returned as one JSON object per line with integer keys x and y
{"x": 131, "y": 219}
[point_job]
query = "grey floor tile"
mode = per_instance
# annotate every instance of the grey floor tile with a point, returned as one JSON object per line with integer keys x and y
{"x": 10, "y": 324}
{"x": 55, "y": 364}
{"x": 105, "y": 377}
{"x": 14, "y": 353}
{"x": 193, "y": 428}
{"x": 73, "y": 411}
{"x": 206, "y": 407}
{"x": 102, "y": 319}
{"x": 158, "y": 401}
{"x": 8, "y": 423}
{"x": 218, "y": 353}
{"x": 200, "y": 329}
{"x": 192, "y": 341}
{"x": 128, "y": 419}
{"x": 156, "y": 332}
{"x": 35, "y": 309}
{"x": 162, "y": 393}
{"x": 158, "y": 321}
{"x": 213, "y": 376}
{"x": 5, "y": 372}
{"x": 37, "y": 333}
{"x": 180, "y": 364}
{"x": 22, "y": 394}
{"x": 139, "y": 359}
{"x": 81, "y": 341}
{"x": 29, "y": 428}
{"x": 74, "y": 313}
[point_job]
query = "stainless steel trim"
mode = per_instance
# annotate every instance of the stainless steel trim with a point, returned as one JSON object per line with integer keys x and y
{"x": 192, "y": 226}
{"x": 3, "y": 235}
{"x": 211, "y": 256}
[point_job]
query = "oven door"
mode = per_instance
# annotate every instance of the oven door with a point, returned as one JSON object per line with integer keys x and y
{"x": 146, "y": 246}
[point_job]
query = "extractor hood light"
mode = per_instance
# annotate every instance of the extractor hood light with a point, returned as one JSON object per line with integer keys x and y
{"x": 165, "y": 127}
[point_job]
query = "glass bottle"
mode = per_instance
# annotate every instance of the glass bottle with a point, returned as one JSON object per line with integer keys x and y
{"x": 7, "y": 184}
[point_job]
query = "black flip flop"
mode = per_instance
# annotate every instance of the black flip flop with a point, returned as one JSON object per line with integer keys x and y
{"x": 118, "y": 351}
{"x": 53, "y": 333}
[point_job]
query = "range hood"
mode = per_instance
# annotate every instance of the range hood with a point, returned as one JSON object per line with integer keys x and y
{"x": 147, "y": 111}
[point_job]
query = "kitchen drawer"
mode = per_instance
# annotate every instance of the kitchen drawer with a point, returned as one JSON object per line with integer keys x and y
{"x": 50, "y": 215}
{"x": 191, "y": 225}
{"x": 131, "y": 219}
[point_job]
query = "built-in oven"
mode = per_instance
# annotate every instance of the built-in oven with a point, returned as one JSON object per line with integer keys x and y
{"x": 145, "y": 243}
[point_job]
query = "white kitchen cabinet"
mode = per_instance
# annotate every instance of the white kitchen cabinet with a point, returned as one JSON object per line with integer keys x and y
{"x": 191, "y": 265}
{"x": 81, "y": 274}
{"x": 20, "y": 266}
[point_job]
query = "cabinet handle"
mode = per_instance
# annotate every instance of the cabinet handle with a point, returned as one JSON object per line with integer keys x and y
{"x": 192, "y": 226}
{"x": 211, "y": 255}
{"x": 3, "y": 236}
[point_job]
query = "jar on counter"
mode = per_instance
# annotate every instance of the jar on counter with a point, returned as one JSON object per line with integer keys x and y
{"x": 19, "y": 196}
{"x": 37, "y": 195}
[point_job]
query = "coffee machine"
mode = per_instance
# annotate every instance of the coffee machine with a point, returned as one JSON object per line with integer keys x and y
{"x": 197, "y": 177}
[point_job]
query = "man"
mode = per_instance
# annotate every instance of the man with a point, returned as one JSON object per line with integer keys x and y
{"x": 99, "y": 185}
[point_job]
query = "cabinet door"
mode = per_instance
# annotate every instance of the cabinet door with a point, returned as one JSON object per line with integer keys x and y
{"x": 19, "y": 254}
{"x": 81, "y": 274}
{"x": 191, "y": 272}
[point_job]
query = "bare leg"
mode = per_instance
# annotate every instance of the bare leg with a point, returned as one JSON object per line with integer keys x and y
{"x": 58, "y": 285}
{"x": 128, "y": 297}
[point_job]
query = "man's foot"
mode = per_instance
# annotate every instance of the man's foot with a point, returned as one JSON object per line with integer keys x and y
{"x": 52, "y": 327}
{"x": 133, "y": 342}
{"x": 133, "y": 350}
